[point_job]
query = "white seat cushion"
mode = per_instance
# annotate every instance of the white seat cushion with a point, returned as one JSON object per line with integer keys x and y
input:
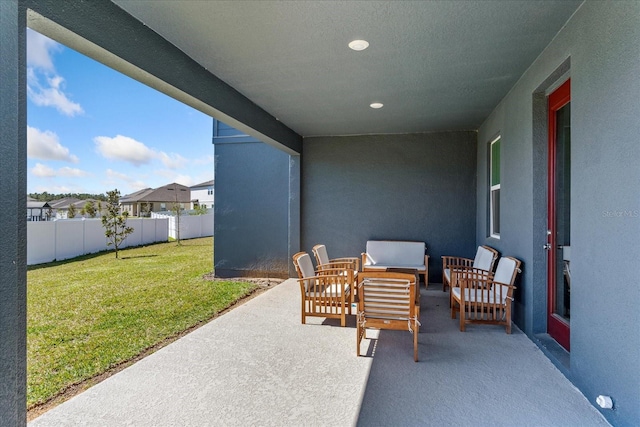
{"x": 480, "y": 296}
{"x": 335, "y": 290}
{"x": 447, "y": 274}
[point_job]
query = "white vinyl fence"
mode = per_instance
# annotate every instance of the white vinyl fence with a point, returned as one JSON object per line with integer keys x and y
{"x": 63, "y": 239}
{"x": 191, "y": 226}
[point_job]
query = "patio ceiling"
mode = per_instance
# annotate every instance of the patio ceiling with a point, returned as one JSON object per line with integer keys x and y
{"x": 436, "y": 65}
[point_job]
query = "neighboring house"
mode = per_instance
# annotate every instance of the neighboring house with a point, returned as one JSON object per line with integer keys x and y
{"x": 156, "y": 200}
{"x": 38, "y": 211}
{"x": 60, "y": 207}
{"x": 202, "y": 194}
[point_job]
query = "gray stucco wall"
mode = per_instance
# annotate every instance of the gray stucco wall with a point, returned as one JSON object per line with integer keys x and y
{"x": 251, "y": 210}
{"x": 13, "y": 181}
{"x": 602, "y": 44}
{"x": 398, "y": 187}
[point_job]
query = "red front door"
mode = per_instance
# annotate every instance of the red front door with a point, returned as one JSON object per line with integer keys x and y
{"x": 559, "y": 216}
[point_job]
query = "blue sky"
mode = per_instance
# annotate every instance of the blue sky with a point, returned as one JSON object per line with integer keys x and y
{"x": 91, "y": 129}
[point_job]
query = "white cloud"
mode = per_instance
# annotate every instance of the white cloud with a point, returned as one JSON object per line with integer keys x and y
{"x": 133, "y": 183}
{"x": 73, "y": 172}
{"x": 173, "y": 160}
{"x": 40, "y": 50}
{"x": 172, "y": 176}
{"x": 51, "y": 95}
{"x": 58, "y": 189}
{"x": 46, "y": 146}
{"x": 125, "y": 149}
{"x": 43, "y": 171}
{"x": 117, "y": 175}
{"x": 135, "y": 152}
{"x": 206, "y": 160}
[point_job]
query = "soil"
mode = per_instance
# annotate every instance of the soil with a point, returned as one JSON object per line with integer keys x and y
{"x": 263, "y": 285}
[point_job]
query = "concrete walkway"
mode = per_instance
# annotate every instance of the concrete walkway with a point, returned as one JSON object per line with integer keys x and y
{"x": 257, "y": 365}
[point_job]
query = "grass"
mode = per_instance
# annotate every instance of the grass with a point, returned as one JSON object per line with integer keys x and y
{"x": 90, "y": 314}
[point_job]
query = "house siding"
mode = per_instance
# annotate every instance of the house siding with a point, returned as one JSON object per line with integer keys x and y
{"x": 399, "y": 187}
{"x": 251, "y": 210}
{"x": 600, "y": 48}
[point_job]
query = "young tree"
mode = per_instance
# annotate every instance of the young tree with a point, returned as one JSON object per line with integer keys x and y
{"x": 115, "y": 222}
{"x": 177, "y": 210}
{"x": 89, "y": 209}
{"x": 200, "y": 210}
{"x": 72, "y": 211}
{"x": 144, "y": 209}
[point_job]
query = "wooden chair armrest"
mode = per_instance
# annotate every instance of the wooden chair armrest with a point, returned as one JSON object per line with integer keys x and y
{"x": 459, "y": 275}
{"x": 364, "y": 259}
{"x": 456, "y": 261}
{"x": 460, "y": 269}
{"x": 338, "y": 265}
{"x": 354, "y": 260}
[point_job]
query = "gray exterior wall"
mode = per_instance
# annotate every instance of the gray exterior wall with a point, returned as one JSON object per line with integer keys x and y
{"x": 251, "y": 210}
{"x": 398, "y": 187}
{"x": 600, "y": 46}
{"x": 13, "y": 251}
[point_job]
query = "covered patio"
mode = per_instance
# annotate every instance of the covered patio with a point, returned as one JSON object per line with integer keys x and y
{"x": 466, "y": 88}
{"x": 258, "y": 365}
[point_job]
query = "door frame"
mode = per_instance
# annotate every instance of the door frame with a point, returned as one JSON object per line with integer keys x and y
{"x": 557, "y": 327}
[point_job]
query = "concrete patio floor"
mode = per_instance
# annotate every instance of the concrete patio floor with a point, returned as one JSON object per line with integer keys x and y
{"x": 258, "y": 365}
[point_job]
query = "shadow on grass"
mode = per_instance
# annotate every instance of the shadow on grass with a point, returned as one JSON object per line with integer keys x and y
{"x": 96, "y": 254}
{"x": 138, "y": 256}
{"x": 67, "y": 261}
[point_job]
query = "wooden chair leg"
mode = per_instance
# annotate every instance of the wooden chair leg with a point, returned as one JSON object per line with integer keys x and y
{"x": 462, "y": 322}
{"x": 304, "y": 318}
{"x": 415, "y": 341}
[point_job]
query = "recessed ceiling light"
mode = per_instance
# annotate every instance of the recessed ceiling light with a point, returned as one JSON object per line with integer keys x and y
{"x": 376, "y": 105}
{"x": 359, "y": 45}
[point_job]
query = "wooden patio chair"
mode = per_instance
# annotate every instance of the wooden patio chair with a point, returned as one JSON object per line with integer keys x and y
{"x": 481, "y": 297}
{"x": 388, "y": 301}
{"x": 349, "y": 265}
{"x": 322, "y": 257}
{"x": 325, "y": 293}
{"x": 485, "y": 259}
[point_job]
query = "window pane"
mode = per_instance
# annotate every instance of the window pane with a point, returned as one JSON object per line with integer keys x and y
{"x": 495, "y": 162}
{"x": 495, "y": 211}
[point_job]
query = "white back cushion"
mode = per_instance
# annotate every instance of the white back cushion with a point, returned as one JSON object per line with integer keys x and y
{"x": 392, "y": 252}
{"x": 321, "y": 252}
{"x": 483, "y": 259}
{"x": 306, "y": 266}
{"x": 504, "y": 271}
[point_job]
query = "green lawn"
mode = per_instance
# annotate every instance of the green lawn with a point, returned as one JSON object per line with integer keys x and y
{"x": 89, "y": 314}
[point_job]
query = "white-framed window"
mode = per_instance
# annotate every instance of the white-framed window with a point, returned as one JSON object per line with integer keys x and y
{"x": 494, "y": 188}
{"x": 210, "y": 191}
